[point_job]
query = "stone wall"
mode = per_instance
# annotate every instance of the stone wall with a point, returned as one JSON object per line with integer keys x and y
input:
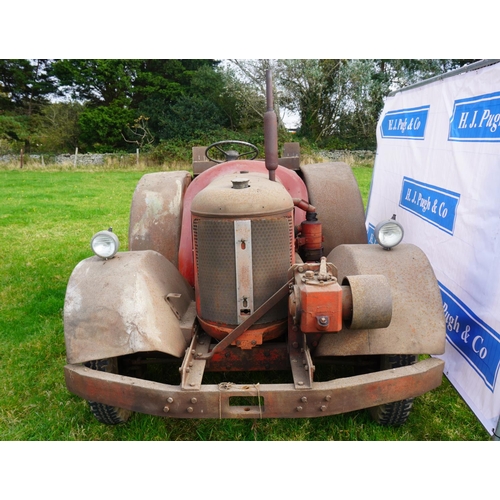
{"x": 129, "y": 159}
{"x": 69, "y": 159}
{"x": 340, "y": 155}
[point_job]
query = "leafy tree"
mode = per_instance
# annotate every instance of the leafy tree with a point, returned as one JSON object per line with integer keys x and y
{"x": 179, "y": 97}
{"x": 14, "y": 130}
{"x": 105, "y": 87}
{"x": 60, "y": 129}
{"x": 338, "y": 101}
{"x": 102, "y": 127}
{"x": 139, "y": 133}
{"x": 118, "y": 91}
{"x": 96, "y": 82}
{"x": 246, "y": 81}
{"x": 25, "y": 85}
{"x": 166, "y": 78}
{"x": 317, "y": 89}
{"x": 371, "y": 80}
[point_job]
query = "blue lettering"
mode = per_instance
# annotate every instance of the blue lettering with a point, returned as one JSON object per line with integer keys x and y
{"x": 435, "y": 205}
{"x": 484, "y": 125}
{"x": 471, "y": 337}
{"x": 405, "y": 123}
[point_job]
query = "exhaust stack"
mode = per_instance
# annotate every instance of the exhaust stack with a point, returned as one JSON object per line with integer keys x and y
{"x": 270, "y": 131}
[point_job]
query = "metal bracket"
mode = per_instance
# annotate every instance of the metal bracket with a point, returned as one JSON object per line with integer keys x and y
{"x": 193, "y": 367}
{"x": 300, "y": 358}
{"x": 243, "y": 327}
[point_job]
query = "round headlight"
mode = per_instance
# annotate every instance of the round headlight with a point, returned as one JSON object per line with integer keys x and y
{"x": 389, "y": 233}
{"x": 105, "y": 244}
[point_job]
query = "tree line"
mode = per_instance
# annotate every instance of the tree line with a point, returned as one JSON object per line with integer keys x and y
{"x": 165, "y": 105}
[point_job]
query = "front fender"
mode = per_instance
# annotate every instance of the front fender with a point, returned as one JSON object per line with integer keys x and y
{"x": 417, "y": 325}
{"x": 118, "y": 306}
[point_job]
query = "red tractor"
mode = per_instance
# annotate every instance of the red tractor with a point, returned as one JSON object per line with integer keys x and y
{"x": 249, "y": 267}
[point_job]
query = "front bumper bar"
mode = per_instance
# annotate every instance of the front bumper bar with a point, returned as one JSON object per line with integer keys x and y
{"x": 273, "y": 400}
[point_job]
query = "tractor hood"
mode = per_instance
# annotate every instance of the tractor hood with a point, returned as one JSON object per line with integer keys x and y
{"x": 242, "y": 195}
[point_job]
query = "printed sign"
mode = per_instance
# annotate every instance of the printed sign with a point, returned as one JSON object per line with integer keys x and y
{"x": 371, "y": 234}
{"x": 435, "y": 205}
{"x": 440, "y": 178}
{"x": 477, "y": 342}
{"x": 476, "y": 119}
{"x": 405, "y": 123}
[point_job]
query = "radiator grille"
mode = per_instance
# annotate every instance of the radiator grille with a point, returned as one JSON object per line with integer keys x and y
{"x": 272, "y": 247}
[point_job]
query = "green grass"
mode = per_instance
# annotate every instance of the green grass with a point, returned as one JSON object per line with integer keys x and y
{"x": 46, "y": 221}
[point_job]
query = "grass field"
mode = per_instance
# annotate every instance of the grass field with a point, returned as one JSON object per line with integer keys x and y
{"x": 46, "y": 221}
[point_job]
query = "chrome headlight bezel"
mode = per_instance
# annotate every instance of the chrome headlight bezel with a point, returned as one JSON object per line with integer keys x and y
{"x": 105, "y": 244}
{"x": 389, "y": 233}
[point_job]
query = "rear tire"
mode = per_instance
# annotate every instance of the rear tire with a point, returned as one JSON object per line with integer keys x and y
{"x": 396, "y": 413}
{"x": 106, "y": 414}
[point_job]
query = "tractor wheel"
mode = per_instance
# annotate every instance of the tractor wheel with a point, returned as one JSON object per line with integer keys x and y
{"x": 396, "y": 413}
{"x": 107, "y": 414}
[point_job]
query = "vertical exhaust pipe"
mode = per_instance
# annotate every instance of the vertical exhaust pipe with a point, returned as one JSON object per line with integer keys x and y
{"x": 270, "y": 131}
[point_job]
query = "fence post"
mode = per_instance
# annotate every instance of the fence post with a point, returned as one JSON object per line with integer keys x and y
{"x": 76, "y": 155}
{"x": 137, "y": 155}
{"x": 22, "y": 157}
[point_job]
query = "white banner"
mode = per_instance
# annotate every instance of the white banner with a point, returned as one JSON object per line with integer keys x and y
{"x": 438, "y": 169}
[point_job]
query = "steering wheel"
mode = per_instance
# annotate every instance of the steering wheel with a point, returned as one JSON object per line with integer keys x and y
{"x": 231, "y": 154}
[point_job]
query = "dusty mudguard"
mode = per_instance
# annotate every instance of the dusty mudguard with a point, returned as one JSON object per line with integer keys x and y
{"x": 417, "y": 325}
{"x": 156, "y": 213}
{"x": 135, "y": 302}
{"x": 334, "y": 192}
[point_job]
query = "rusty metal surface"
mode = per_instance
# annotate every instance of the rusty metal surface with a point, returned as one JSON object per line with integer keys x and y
{"x": 316, "y": 302}
{"x": 417, "y": 325}
{"x": 277, "y": 400}
{"x": 301, "y": 362}
{"x": 289, "y": 159}
{"x": 118, "y": 306}
{"x": 156, "y": 213}
{"x": 193, "y": 367}
{"x": 289, "y": 179}
{"x": 334, "y": 192}
{"x": 270, "y": 130}
{"x": 251, "y": 320}
{"x": 216, "y": 277}
{"x": 269, "y": 356}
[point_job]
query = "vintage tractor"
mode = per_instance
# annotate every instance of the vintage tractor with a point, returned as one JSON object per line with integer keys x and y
{"x": 250, "y": 267}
